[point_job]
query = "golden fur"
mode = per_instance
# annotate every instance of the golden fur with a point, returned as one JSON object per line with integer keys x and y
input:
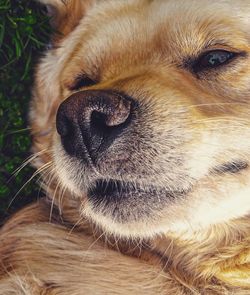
{"x": 190, "y": 128}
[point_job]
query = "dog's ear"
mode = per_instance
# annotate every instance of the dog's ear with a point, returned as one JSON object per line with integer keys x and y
{"x": 65, "y": 14}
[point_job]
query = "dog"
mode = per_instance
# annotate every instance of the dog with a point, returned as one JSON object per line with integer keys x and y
{"x": 140, "y": 125}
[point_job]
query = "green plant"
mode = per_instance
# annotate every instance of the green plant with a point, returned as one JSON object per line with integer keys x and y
{"x": 24, "y": 33}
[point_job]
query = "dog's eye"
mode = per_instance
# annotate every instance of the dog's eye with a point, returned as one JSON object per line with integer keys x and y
{"x": 213, "y": 59}
{"x": 83, "y": 81}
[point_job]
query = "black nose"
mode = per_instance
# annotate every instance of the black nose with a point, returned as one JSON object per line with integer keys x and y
{"x": 89, "y": 121}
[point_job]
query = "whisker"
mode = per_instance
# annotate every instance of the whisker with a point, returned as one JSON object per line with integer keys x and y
{"x": 75, "y": 225}
{"x": 27, "y": 161}
{"x": 47, "y": 183}
{"x": 63, "y": 190}
{"x": 44, "y": 167}
{"x": 43, "y": 178}
{"x": 215, "y": 104}
{"x": 53, "y": 200}
{"x": 18, "y": 131}
{"x": 95, "y": 241}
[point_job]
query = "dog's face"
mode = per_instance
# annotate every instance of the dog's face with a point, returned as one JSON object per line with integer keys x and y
{"x": 145, "y": 106}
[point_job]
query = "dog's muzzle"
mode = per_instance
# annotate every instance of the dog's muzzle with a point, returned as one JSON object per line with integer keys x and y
{"x": 89, "y": 121}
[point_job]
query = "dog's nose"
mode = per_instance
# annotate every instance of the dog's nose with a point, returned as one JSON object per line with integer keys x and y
{"x": 89, "y": 121}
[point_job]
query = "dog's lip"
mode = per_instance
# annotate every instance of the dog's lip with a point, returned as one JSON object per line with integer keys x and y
{"x": 103, "y": 187}
{"x": 116, "y": 189}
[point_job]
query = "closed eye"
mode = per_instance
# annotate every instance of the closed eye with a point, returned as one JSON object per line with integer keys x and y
{"x": 81, "y": 82}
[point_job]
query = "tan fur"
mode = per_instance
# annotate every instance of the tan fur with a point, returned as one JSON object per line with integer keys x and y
{"x": 199, "y": 244}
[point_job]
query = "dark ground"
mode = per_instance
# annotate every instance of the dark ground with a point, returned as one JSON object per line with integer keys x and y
{"x": 24, "y": 33}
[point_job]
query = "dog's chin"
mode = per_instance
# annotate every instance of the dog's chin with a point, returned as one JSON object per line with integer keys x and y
{"x": 122, "y": 208}
{"x": 143, "y": 209}
{"x": 128, "y": 209}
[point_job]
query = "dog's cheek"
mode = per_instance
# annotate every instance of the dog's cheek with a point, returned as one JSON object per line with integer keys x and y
{"x": 47, "y": 95}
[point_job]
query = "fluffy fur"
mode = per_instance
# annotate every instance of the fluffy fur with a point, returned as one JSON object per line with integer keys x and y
{"x": 189, "y": 140}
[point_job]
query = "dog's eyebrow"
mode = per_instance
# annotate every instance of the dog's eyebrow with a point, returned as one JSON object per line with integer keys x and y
{"x": 219, "y": 43}
{"x": 216, "y": 44}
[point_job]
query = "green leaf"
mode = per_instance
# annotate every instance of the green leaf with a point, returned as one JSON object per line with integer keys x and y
{"x": 24, "y": 30}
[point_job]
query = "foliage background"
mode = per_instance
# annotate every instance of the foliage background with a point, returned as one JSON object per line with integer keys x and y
{"x": 24, "y": 33}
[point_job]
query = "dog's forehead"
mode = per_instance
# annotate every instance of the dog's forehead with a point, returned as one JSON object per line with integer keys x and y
{"x": 187, "y": 25}
{"x": 147, "y": 31}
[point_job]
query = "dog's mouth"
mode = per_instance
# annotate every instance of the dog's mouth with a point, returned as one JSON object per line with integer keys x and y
{"x": 108, "y": 189}
{"x": 110, "y": 193}
{"x": 126, "y": 201}
{"x": 115, "y": 197}
{"x": 115, "y": 190}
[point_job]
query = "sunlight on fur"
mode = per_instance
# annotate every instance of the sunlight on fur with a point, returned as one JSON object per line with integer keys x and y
{"x": 140, "y": 125}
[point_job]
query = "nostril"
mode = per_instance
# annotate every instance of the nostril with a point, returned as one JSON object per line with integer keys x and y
{"x": 63, "y": 125}
{"x": 98, "y": 120}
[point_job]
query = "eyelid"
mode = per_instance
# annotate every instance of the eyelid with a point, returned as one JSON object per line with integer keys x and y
{"x": 81, "y": 81}
{"x": 221, "y": 44}
{"x": 237, "y": 52}
{"x": 193, "y": 63}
